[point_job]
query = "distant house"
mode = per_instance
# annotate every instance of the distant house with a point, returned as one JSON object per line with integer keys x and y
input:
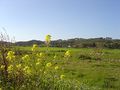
{"x": 69, "y": 46}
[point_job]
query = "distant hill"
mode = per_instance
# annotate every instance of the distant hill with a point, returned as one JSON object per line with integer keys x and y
{"x": 78, "y": 43}
{"x": 29, "y": 43}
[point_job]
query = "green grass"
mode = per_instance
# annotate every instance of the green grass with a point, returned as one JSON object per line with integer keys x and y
{"x": 85, "y": 66}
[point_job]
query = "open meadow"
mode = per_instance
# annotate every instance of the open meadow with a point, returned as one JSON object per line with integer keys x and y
{"x": 95, "y": 69}
{"x": 53, "y": 68}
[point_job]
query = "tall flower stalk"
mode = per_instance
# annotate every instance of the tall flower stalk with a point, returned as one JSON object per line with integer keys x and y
{"x": 48, "y": 40}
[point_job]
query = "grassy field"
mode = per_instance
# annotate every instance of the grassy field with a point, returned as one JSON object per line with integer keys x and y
{"x": 96, "y": 68}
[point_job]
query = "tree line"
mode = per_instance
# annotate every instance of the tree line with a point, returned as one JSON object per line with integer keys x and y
{"x": 78, "y": 43}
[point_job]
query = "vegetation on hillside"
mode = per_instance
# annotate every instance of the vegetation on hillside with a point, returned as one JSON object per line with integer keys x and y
{"x": 78, "y": 43}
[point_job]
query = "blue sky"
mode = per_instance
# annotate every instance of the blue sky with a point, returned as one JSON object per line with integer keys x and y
{"x": 33, "y": 19}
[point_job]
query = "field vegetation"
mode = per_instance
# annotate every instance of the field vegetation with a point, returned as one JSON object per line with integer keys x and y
{"x": 53, "y": 68}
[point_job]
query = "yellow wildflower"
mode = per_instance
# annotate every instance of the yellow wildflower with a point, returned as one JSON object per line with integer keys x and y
{"x": 26, "y": 57}
{"x": 48, "y": 39}
{"x": 41, "y": 55}
{"x": 34, "y": 48}
{"x": 68, "y": 53}
{"x": 10, "y": 55}
{"x": 26, "y": 67}
{"x": 38, "y": 63}
{"x": 44, "y": 72}
{"x": 56, "y": 68}
{"x": 62, "y": 76}
{"x": 18, "y": 66}
{"x": 27, "y": 70}
{"x": 48, "y": 65}
{"x": 10, "y": 68}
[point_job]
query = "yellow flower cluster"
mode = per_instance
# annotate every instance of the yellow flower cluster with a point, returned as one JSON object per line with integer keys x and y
{"x": 26, "y": 58}
{"x": 34, "y": 48}
{"x": 10, "y": 55}
{"x": 10, "y": 68}
{"x": 62, "y": 76}
{"x": 49, "y": 64}
{"x": 41, "y": 55}
{"x": 19, "y": 66}
{"x": 27, "y": 70}
{"x": 48, "y": 39}
{"x": 68, "y": 53}
{"x": 37, "y": 63}
{"x": 29, "y": 67}
{"x": 56, "y": 68}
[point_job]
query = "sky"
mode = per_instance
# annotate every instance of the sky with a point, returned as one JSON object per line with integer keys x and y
{"x": 62, "y": 19}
